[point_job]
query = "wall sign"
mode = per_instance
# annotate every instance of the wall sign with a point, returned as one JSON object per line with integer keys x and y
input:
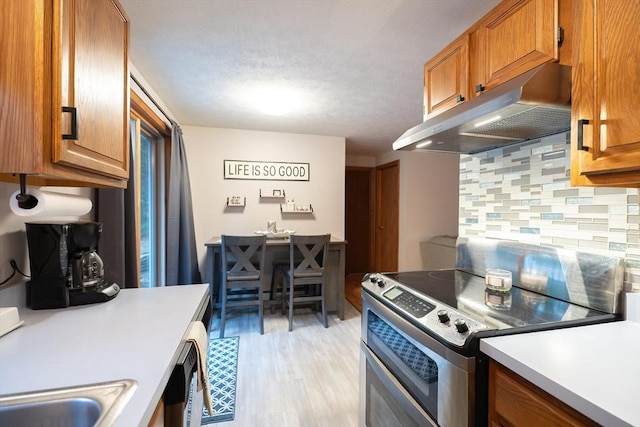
{"x": 274, "y": 171}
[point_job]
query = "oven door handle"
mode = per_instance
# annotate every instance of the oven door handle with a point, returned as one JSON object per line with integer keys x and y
{"x": 394, "y": 387}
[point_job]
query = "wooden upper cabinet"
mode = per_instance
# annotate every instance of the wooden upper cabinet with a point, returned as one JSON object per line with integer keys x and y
{"x": 446, "y": 78}
{"x": 515, "y": 37}
{"x": 94, "y": 81}
{"x": 605, "y": 113}
{"x": 65, "y": 73}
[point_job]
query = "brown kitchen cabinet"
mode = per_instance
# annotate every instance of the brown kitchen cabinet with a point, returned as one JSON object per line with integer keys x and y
{"x": 446, "y": 77}
{"x": 64, "y": 79}
{"x": 605, "y": 114}
{"x": 513, "y": 38}
{"x": 515, "y": 402}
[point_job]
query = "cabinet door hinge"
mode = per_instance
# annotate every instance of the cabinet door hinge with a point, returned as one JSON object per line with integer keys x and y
{"x": 560, "y": 36}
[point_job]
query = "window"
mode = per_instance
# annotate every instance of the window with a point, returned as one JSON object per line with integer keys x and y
{"x": 152, "y": 136}
{"x": 152, "y": 212}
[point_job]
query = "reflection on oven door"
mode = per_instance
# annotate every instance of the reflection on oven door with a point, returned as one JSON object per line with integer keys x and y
{"x": 387, "y": 403}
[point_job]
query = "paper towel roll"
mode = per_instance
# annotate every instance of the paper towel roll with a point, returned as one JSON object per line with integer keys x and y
{"x": 52, "y": 204}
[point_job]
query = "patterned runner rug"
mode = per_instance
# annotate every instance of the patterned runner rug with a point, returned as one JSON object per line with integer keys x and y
{"x": 223, "y": 370}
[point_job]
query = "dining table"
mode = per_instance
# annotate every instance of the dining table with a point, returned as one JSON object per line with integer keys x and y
{"x": 278, "y": 251}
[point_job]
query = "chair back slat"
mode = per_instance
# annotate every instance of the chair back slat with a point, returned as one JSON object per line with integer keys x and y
{"x": 308, "y": 254}
{"x": 243, "y": 256}
{"x": 306, "y": 275}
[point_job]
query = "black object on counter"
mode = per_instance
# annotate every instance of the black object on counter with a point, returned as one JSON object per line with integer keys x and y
{"x": 66, "y": 269}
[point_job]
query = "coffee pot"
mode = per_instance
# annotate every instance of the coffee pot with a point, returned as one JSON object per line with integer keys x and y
{"x": 87, "y": 269}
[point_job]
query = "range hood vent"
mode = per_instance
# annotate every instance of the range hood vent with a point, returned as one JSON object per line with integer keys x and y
{"x": 533, "y": 105}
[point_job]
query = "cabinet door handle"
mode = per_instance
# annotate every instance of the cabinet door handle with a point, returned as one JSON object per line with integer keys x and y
{"x": 581, "y": 124}
{"x": 479, "y": 88}
{"x": 74, "y": 123}
{"x": 460, "y": 98}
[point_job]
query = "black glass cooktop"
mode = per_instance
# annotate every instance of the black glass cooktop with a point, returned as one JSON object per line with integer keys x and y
{"x": 468, "y": 294}
{"x": 437, "y": 284}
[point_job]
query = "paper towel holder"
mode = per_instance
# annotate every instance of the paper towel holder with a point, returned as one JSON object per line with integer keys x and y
{"x": 25, "y": 201}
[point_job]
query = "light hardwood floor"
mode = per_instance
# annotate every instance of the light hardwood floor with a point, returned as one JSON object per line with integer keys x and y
{"x": 304, "y": 378}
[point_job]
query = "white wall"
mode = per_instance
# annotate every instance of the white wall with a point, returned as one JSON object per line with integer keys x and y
{"x": 147, "y": 87}
{"x": 361, "y": 161}
{"x": 207, "y": 148}
{"x": 428, "y": 200}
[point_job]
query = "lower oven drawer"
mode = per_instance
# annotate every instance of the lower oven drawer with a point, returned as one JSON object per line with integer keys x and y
{"x": 385, "y": 402}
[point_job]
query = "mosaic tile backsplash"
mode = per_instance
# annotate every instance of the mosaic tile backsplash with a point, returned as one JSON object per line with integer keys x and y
{"x": 522, "y": 193}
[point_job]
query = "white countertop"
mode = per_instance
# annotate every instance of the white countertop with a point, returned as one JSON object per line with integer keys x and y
{"x": 594, "y": 369}
{"x": 137, "y": 335}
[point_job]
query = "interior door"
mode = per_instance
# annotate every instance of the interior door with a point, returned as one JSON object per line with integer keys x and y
{"x": 387, "y": 207}
{"x": 359, "y": 213}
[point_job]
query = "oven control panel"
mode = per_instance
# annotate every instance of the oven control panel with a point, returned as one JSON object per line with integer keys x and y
{"x": 434, "y": 316}
{"x": 409, "y": 302}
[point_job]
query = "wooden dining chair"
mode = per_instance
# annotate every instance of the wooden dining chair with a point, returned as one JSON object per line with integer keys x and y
{"x": 280, "y": 265}
{"x": 278, "y": 269}
{"x": 307, "y": 261}
{"x": 243, "y": 262}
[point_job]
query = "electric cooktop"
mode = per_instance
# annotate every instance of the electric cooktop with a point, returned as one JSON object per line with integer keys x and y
{"x": 457, "y": 306}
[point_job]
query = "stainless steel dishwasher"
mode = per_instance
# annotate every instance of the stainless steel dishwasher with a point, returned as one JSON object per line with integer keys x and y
{"x": 182, "y": 402}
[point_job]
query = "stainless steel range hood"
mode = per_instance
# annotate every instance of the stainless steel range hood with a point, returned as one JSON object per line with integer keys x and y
{"x": 533, "y": 105}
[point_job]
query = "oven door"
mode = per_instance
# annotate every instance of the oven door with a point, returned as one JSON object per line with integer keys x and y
{"x": 407, "y": 378}
{"x": 386, "y": 402}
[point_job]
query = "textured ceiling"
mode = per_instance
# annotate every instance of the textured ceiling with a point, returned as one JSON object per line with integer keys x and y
{"x": 357, "y": 63}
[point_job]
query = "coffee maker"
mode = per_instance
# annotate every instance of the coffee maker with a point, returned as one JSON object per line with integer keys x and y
{"x": 66, "y": 269}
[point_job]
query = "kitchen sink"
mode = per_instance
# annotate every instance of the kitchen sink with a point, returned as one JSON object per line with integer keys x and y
{"x": 87, "y": 405}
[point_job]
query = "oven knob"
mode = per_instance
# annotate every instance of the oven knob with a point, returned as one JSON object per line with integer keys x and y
{"x": 461, "y": 325}
{"x": 381, "y": 283}
{"x": 373, "y": 278}
{"x": 443, "y": 316}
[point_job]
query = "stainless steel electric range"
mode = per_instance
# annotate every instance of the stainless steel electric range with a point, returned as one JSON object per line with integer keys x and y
{"x": 421, "y": 330}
